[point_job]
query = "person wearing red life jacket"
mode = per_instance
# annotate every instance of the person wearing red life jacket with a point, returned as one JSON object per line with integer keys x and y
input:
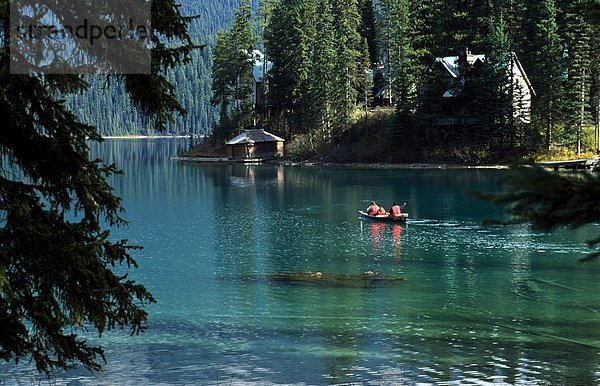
{"x": 381, "y": 211}
{"x": 372, "y": 209}
{"x": 395, "y": 210}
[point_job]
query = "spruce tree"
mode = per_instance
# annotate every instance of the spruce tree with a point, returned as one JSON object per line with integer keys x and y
{"x": 391, "y": 15}
{"x": 289, "y": 41}
{"x": 221, "y": 84}
{"x": 542, "y": 55}
{"x": 576, "y": 32}
{"x": 346, "y": 23}
{"x": 463, "y": 26}
{"x": 322, "y": 77}
{"x": 364, "y": 77}
{"x": 488, "y": 94}
{"x": 241, "y": 50}
{"x": 56, "y": 253}
{"x": 264, "y": 11}
{"x": 278, "y": 41}
{"x": 406, "y": 80}
{"x": 403, "y": 68}
{"x": 368, "y": 29}
{"x": 595, "y": 82}
{"x": 233, "y": 60}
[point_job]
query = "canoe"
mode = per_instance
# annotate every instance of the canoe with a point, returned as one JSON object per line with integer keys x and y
{"x": 382, "y": 217}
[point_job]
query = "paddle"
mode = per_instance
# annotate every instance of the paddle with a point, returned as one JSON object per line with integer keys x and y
{"x": 402, "y": 209}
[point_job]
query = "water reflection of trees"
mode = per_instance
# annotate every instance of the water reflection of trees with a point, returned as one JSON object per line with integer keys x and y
{"x": 148, "y": 174}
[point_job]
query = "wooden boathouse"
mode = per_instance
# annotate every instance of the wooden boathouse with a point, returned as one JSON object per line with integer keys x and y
{"x": 255, "y": 146}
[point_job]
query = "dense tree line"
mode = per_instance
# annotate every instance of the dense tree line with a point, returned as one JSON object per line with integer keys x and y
{"x": 325, "y": 52}
{"x": 105, "y": 103}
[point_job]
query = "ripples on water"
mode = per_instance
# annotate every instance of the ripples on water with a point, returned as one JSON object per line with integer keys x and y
{"x": 480, "y": 305}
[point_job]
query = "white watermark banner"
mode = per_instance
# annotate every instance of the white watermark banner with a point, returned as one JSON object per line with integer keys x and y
{"x": 77, "y": 37}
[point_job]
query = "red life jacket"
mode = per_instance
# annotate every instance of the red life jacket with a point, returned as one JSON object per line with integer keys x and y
{"x": 372, "y": 210}
{"x": 395, "y": 211}
{"x": 381, "y": 211}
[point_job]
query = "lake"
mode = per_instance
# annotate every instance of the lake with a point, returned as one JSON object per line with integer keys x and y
{"x": 232, "y": 252}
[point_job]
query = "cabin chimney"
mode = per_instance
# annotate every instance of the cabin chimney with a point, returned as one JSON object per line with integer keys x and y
{"x": 469, "y": 56}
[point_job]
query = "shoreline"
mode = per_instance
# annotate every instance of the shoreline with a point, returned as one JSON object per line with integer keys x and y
{"x": 580, "y": 164}
{"x": 135, "y": 136}
{"x": 416, "y": 165}
{"x": 355, "y": 165}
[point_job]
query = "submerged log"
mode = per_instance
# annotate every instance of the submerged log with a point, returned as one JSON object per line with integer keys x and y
{"x": 366, "y": 279}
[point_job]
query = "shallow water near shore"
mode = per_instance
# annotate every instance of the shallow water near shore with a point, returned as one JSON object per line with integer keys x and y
{"x": 227, "y": 249}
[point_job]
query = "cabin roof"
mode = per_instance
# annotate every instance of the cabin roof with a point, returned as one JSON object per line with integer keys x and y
{"x": 253, "y": 136}
{"x": 450, "y": 64}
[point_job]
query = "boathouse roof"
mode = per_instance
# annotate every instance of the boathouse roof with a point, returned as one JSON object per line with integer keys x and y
{"x": 254, "y": 136}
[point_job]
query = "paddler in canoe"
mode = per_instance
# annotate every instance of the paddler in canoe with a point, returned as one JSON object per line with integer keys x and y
{"x": 395, "y": 210}
{"x": 377, "y": 213}
{"x": 372, "y": 209}
{"x": 375, "y": 210}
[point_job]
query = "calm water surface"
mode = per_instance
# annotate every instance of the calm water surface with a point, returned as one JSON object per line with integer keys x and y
{"x": 479, "y": 304}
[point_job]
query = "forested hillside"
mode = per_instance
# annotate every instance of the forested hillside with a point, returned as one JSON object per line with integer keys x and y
{"x": 466, "y": 79}
{"x": 110, "y": 110}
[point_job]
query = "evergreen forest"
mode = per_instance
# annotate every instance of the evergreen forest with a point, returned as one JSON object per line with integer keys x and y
{"x": 403, "y": 80}
{"x": 105, "y": 103}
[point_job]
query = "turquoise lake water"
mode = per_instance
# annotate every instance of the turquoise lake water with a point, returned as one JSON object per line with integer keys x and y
{"x": 479, "y": 305}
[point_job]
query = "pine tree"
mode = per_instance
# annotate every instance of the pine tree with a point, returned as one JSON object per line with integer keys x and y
{"x": 368, "y": 29}
{"x": 289, "y": 41}
{"x": 389, "y": 16}
{"x": 577, "y": 41}
{"x": 221, "y": 84}
{"x": 405, "y": 77}
{"x": 595, "y": 79}
{"x": 426, "y": 28}
{"x": 321, "y": 82}
{"x": 463, "y": 26}
{"x": 241, "y": 49}
{"x": 233, "y": 60}
{"x": 56, "y": 255}
{"x": 542, "y": 57}
{"x": 364, "y": 75}
{"x": 263, "y": 16}
{"x": 346, "y": 23}
{"x": 491, "y": 93}
{"x": 404, "y": 68}
{"x": 265, "y": 9}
